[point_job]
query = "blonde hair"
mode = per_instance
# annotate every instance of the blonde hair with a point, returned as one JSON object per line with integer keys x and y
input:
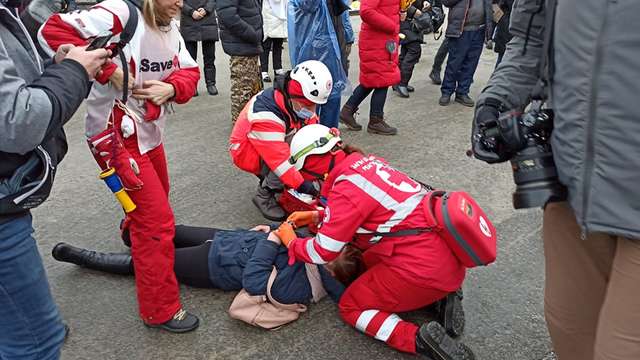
{"x": 151, "y": 16}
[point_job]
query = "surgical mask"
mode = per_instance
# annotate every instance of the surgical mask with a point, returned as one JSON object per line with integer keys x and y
{"x": 304, "y": 113}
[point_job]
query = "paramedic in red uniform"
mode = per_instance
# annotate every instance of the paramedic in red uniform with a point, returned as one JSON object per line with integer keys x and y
{"x": 365, "y": 195}
{"x": 161, "y": 73}
{"x": 259, "y": 140}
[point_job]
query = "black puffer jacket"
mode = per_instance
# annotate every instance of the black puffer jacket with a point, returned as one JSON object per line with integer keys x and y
{"x": 199, "y": 30}
{"x": 240, "y": 26}
{"x": 458, "y": 16}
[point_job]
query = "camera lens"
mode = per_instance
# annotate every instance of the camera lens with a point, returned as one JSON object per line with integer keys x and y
{"x": 536, "y": 178}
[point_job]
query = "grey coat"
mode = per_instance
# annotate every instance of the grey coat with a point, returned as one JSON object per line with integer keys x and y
{"x": 595, "y": 91}
{"x": 200, "y": 30}
{"x": 458, "y": 15}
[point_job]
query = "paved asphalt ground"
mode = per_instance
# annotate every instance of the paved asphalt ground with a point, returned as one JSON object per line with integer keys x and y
{"x": 503, "y": 302}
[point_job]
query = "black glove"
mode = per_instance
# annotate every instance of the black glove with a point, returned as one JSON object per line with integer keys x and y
{"x": 495, "y": 153}
{"x": 307, "y": 187}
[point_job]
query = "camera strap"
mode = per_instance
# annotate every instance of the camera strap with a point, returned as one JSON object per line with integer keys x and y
{"x": 125, "y": 36}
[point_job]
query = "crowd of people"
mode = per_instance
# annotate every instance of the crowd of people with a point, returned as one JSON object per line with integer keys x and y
{"x": 360, "y": 231}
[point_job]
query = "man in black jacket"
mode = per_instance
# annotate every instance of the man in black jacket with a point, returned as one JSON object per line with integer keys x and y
{"x": 34, "y": 105}
{"x": 241, "y": 36}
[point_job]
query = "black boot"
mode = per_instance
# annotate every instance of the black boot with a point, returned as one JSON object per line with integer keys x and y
{"x": 402, "y": 91}
{"x": 347, "y": 117}
{"x": 377, "y": 125}
{"x": 434, "y": 75}
{"x": 451, "y": 313}
{"x": 210, "y": 80}
{"x": 114, "y": 263}
{"x": 265, "y": 201}
{"x": 432, "y": 340}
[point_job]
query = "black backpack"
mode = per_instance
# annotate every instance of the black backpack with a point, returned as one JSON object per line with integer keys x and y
{"x": 31, "y": 182}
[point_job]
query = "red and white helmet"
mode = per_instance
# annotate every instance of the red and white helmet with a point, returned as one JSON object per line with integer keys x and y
{"x": 315, "y": 80}
{"x": 312, "y": 139}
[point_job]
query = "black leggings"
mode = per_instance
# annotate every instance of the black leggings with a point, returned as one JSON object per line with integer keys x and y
{"x": 191, "y": 264}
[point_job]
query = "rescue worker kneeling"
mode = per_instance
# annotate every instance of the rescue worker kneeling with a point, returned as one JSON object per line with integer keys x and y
{"x": 404, "y": 272}
{"x": 260, "y": 137}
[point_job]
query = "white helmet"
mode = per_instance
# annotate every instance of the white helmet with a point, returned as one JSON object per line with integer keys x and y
{"x": 311, "y": 140}
{"x": 315, "y": 79}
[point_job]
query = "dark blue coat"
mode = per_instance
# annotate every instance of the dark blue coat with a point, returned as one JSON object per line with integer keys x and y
{"x": 244, "y": 259}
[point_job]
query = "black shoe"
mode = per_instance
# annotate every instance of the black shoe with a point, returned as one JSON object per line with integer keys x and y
{"x": 114, "y": 263}
{"x": 181, "y": 322}
{"x": 451, "y": 313}
{"x": 432, "y": 340}
{"x": 265, "y": 201}
{"x": 212, "y": 89}
{"x": 465, "y": 100}
{"x": 444, "y": 100}
{"x": 266, "y": 78}
{"x": 410, "y": 88}
{"x": 401, "y": 90}
{"x": 435, "y": 77}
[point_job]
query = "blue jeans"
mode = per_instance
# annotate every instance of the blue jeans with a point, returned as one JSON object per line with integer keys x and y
{"x": 378, "y": 99}
{"x": 464, "y": 54}
{"x": 30, "y": 325}
{"x": 330, "y": 112}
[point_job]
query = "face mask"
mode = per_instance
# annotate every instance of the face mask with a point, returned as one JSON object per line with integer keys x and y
{"x": 304, "y": 113}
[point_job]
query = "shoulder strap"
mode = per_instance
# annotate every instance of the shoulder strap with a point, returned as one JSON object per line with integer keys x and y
{"x": 125, "y": 36}
{"x": 409, "y": 232}
{"x": 290, "y": 307}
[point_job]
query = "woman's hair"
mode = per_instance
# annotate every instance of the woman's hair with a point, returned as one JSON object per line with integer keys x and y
{"x": 151, "y": 16}
{"x": 350, "y": 149}
{"x": 347, "y": 266}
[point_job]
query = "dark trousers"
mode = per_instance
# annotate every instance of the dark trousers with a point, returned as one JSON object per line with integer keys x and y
{"x": 209, "y": 58}
{"x": 274, "y": 45}
{"x": 438, "y": 60}
{"x": 464, "y": 54}
{"x": 409, "y": 56}
{"x": 378, "y": 99}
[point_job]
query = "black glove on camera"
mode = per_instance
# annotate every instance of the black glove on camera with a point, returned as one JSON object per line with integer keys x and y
{"x": 483, "y": 148}
{"x": 307, "y": 187}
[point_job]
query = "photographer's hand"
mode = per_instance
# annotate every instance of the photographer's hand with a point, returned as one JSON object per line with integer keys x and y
{"x": 485, "y": 114}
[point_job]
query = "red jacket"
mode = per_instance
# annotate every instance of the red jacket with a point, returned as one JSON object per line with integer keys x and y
{"x": 364, "y": 195}
{"x": 262, "y": 132}
{"x": 380, "y": 26}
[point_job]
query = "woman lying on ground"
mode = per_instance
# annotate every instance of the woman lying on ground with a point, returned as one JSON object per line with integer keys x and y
{"x": 232, "y": 260}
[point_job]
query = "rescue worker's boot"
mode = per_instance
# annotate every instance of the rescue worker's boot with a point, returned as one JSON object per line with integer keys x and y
{"x": 114, "y": 263}
{"x": 451, "y": 313}
{"x": 347, "y": 117}
{"x": 432, "y": 340}
{"x": 377, "y": 125}
{"x": 265, "y": 201}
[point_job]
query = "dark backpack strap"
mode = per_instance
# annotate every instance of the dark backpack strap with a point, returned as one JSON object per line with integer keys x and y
{"x": 125, "y": 36}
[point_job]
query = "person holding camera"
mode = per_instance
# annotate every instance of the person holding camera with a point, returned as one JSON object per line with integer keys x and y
{"x": 38, "y": 98}
{"x": 582, "y": 58}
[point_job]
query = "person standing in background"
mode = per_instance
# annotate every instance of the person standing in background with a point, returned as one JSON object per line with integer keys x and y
{"x": 274, "y": 18}
{"x": 502, "y": 35}
{"x": 198, "y": 23}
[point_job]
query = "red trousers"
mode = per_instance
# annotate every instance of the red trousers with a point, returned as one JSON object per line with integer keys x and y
{"x": 370, "y": 303}
{"x": 152, "y": 229}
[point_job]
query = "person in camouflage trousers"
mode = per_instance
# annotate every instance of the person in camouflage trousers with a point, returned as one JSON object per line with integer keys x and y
{"x": 245, "y": 82}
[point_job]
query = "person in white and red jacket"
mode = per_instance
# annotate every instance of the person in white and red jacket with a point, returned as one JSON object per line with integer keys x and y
{"x": 129, "y": 137}
{"x": 366, "y": 199}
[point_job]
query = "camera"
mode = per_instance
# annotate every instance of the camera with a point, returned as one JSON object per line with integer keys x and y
{"x": 525, "y": 138}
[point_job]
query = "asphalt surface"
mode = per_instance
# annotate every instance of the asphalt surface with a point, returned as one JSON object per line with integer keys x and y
{"x": 503, "y": 302}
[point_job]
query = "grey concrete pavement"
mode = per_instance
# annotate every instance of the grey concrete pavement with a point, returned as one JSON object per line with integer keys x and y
{"x": 503, "y": 302}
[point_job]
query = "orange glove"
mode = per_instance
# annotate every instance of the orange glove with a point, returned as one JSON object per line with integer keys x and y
{"x": 303, "y": 218}
{"x": 285, "y": 233}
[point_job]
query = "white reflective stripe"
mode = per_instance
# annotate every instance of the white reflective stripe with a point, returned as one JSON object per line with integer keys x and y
{"x": 266, "y": 136}
{"x": 328, "y": 243}
{"x": 387, "y": 327}
{"x": 234, "y": 146}
{"x": 264, "y": 115}
{"x": 313, "y": 254}
{"x": 402, "y": 212}
{"x": 372, "y": 190}
{"x": 282, "y": 168}
{"x": 365, "y": 318}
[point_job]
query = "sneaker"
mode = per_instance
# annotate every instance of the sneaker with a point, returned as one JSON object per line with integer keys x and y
{"x": 444, "y": 100}
{"x": 410, "y": 88}
{"x": 465, "y": 100}
{"x": 435, "y": 77}
{"x": 181, "y": 322}
{"x": 451, "y": 313}
{"x": 432, "y": 341}
{"x": 265, "y": 77}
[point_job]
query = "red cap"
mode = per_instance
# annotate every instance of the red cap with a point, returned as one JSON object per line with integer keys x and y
{"x": 295, "y": 92}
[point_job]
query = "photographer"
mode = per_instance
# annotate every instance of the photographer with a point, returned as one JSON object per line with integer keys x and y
{"x": 34, "y": 105}
{"x": 586, "y": 54}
